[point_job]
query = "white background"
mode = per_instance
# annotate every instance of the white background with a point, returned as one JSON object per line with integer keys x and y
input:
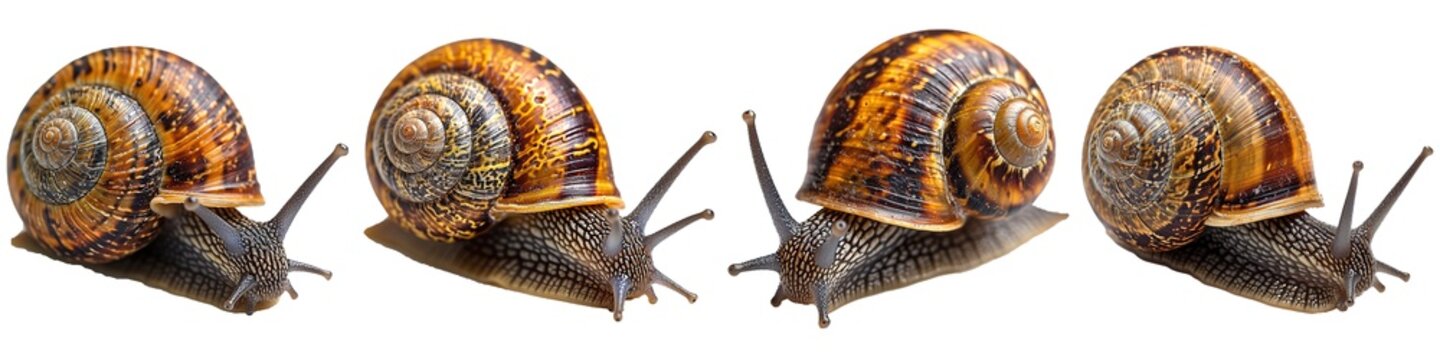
{"x": 307, "y": 76}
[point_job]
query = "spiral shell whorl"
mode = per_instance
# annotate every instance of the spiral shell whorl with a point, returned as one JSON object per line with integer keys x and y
{"x": 149, "y": 128}
{"x": 86, "y": 197}
{"x": 1000, "y": 148}
{"x": 1153, "y": 168}
{"x": 443, "y": 156}
{"x": 897, "y": 129}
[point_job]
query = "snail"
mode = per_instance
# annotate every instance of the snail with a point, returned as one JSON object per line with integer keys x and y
{"x": 1196, "y": 160}
{"x": 131, "y": 161}
{"x": 926, "y": 159}
{"x": 491, "y": 165}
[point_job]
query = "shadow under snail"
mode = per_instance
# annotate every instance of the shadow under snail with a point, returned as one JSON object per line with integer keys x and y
{"x": 130, "y": 161}
{"x": 926, "y": 158}
{"x": 491, "y": 165}
{"x": 1196, "y": 160}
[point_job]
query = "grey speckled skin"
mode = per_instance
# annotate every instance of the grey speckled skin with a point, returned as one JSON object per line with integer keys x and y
{"x": 586, "y": 255}
{"x": 216, "y": 256}
{"x": 874, "y": 257}
{"x": 834, "y": 258}
{"x": 1296, "y": 261}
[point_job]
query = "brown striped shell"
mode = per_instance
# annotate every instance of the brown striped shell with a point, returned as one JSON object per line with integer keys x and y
{"x": 1190, "y": 137}
{"x": 930, "y": 128}
{"x": 480, "y": 128}
{"x": 114, "y": 132}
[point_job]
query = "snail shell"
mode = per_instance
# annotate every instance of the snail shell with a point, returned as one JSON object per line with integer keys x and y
{"x": 928, "y": 129}
{"x": 113, "y": 133}
{"x": 447, "y": 161}
{"x": 1203, "y": 122}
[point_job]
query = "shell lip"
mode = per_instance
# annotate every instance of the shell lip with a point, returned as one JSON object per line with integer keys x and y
{"x": 937, "y": 223}
{"x": 1223, "y": 218}
{"x": 208, "y": 199}
{"x": 511, "y": 207}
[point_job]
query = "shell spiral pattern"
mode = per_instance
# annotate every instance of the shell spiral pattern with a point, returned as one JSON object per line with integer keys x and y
{"x": 480, "y": 128}
{"x": 930, "y": 128}
{"x": 114, "y": 132}
{"x": 1191, "y": 137}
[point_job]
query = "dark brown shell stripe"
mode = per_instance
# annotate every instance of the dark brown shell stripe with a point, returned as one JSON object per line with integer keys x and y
{"x": 878, "y": 149}
{"x": 201, "y": 149}
{"x": 1267, "y": 170}
{"x": 560, "y": 156}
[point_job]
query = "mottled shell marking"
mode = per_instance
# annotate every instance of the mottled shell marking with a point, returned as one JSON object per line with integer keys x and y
{"x": 115, "y": 131}
{"x": 529, "y": 142}
{"x": 1267, "y": 168}
{"x": 894, "y": 133}
{"x": 1193, "y": 137}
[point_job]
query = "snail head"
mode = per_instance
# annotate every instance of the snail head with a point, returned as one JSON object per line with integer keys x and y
{"x": 627, "y": 239}
{"x": 1347, "y": 238}
{"x": 254, "y": 250}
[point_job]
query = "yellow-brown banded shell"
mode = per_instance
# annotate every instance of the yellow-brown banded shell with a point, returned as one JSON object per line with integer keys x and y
{"x": 480, "y": 128}
{"x": 1190, "y": 137}
{"x": 114, "y": 132}
{"x": 930, "y": 128}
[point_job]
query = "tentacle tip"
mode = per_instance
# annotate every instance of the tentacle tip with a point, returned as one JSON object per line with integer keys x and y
{"x": 619, "y": 316}
{"x": 749, "y": 116}
{"x": 734, "y": 269}
{"x": 341, "y": 149}
{"x": 191, "y": 203}
{"x": 1427, "y": 151}
{"x": 1358, "y": 165}
{"x": 709, "y": 137}
{"x": 692, "y": 298}
{"x": 707, "y": 214}
{"x": 824, "y": 322}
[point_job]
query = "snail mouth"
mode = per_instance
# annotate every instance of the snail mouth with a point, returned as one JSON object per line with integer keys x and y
{"x": 256, "y": 296}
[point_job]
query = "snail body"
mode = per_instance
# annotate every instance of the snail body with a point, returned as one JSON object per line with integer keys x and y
{"x": 130, "y": 161}
{"x": 1196, "y": 160}
{"x": 491, "y": 164}
{"x": 926, "y": 159}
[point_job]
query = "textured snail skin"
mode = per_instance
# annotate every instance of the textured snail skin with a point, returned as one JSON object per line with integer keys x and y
{"x": 874, "y": 257}
{"x": 172, "y": 162}
{"x": 555, "y": 254}
{"x": 926, "y": 158}
{"x": 190, "y": 259}
{"x": 1196, "y": 160}
{"x": 492, "y": 166}
{"x": 1285, "y": 262}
